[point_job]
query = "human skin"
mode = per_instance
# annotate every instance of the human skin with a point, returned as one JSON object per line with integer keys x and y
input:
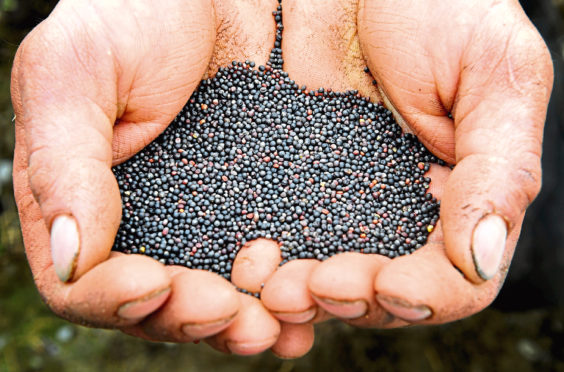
{"x": 98, "y": 80}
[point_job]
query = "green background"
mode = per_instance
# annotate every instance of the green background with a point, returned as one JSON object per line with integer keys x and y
{"x": 524, "y": 331}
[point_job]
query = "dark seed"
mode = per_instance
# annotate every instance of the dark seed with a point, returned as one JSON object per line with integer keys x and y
{"x": 252, "y": 154}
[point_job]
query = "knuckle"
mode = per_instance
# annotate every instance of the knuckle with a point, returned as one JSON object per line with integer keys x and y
{"x": 41, "y": 176}
{"x": 32, "y": 49}
{"x": 527, "y": 172}
{"x": 530, "y": 182}
{"x": 50, "y": 183}
{"x": 24, "y": 61}
{"x": 530, "y": 62}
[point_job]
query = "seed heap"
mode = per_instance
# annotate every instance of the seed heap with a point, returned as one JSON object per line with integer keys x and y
{"x": 252, "y": 155}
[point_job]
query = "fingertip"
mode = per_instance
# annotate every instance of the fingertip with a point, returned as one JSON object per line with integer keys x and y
{"x": 435, "y": 131}
{"x": 125, "y": 290}
{"x": 201, "y": 304}
{"x": 255, "y": 263}
{"x": 81, "y": 232}
{"x": 254, "y": 329}
{"x": 344, "y": 275}
{"x": 295, "y": 340}
{"x": 345, "y": 309}
{"x": 481, "y": 219}
{"x": 141, "y": 307}
{"x": 296, "y": 317}
{"x": 343, "y": 286}
{"x": 250, "y": 348}
{"x": 404, "y": 310}
{"x": 200, "y": 331}
{"x": 425, "y": 287}
{"x": 286, "y": 292}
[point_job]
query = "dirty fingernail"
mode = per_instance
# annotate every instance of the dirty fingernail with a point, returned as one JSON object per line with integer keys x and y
{"x": 65, "y": 246}
{"x": 142, "y": 307}
{"x": 404, "y": 310}
{"x": 343, "y": 309}
{"x": 204, "y": 330}
{"x": 250, "y": 348}
{"x": 296, "y": 318}
{"x": 488, "y": 245}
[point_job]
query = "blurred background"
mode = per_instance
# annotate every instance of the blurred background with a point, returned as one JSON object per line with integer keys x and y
{"x": 522, "y": 331}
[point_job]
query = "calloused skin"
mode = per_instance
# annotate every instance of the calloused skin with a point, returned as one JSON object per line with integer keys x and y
{"x": 98, "y": 80}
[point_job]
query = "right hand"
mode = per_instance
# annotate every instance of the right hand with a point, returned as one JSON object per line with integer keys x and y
{"x": 92, "y": 85}
{"x": 493, "y": 72}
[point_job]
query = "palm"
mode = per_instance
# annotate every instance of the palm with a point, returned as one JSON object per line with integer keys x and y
{"x": 159, "y": 61}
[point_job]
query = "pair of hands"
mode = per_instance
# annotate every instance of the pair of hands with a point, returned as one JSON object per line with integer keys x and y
{"x": 98, "y": 80}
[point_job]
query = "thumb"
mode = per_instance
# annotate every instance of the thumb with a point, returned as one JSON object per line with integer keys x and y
{"x": 64, "y": 118}
{"x": 498, "y": 136}
{"x": 70, "y": 82}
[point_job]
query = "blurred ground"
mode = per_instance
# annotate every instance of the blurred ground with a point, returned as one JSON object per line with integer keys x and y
{"x": 523, "y": 331}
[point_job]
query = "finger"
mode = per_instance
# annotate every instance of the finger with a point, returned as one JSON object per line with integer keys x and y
{"x": 438, "y": 175}
{"x": 253, "y": 331}
{"x": 67, "y": 108}
{"x": 119, "y": 292}
{"x": 58, "y": 158}
{"x": 295, "y": 340}
{"x": 254, "y": 264}
{"x": 498, "y": 148}
{"x": 201, "y": 304}
{"x": 286, "y": 294}
{"x": 425, "y": 288}
{"x": 343, "y": 286}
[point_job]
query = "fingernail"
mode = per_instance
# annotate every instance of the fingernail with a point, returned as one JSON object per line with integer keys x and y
{"x": 296, "y": 318}
{"x": 144, "y": 306}
{"x": 65, "y": 246}
{"x": 488, "y": 245}
{"x": 344, "y": 309}
{"x": 404, "y": 310}
{"x": 250, "y": 348}
{"x": 204, "y": 330}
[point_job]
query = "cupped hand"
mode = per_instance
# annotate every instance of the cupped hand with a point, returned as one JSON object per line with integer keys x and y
{"x": 91, "y": 86}
{"x": 472, "y": 81}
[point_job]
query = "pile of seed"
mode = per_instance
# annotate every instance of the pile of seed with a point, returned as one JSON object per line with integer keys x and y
{"x": 252, "y": 155}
